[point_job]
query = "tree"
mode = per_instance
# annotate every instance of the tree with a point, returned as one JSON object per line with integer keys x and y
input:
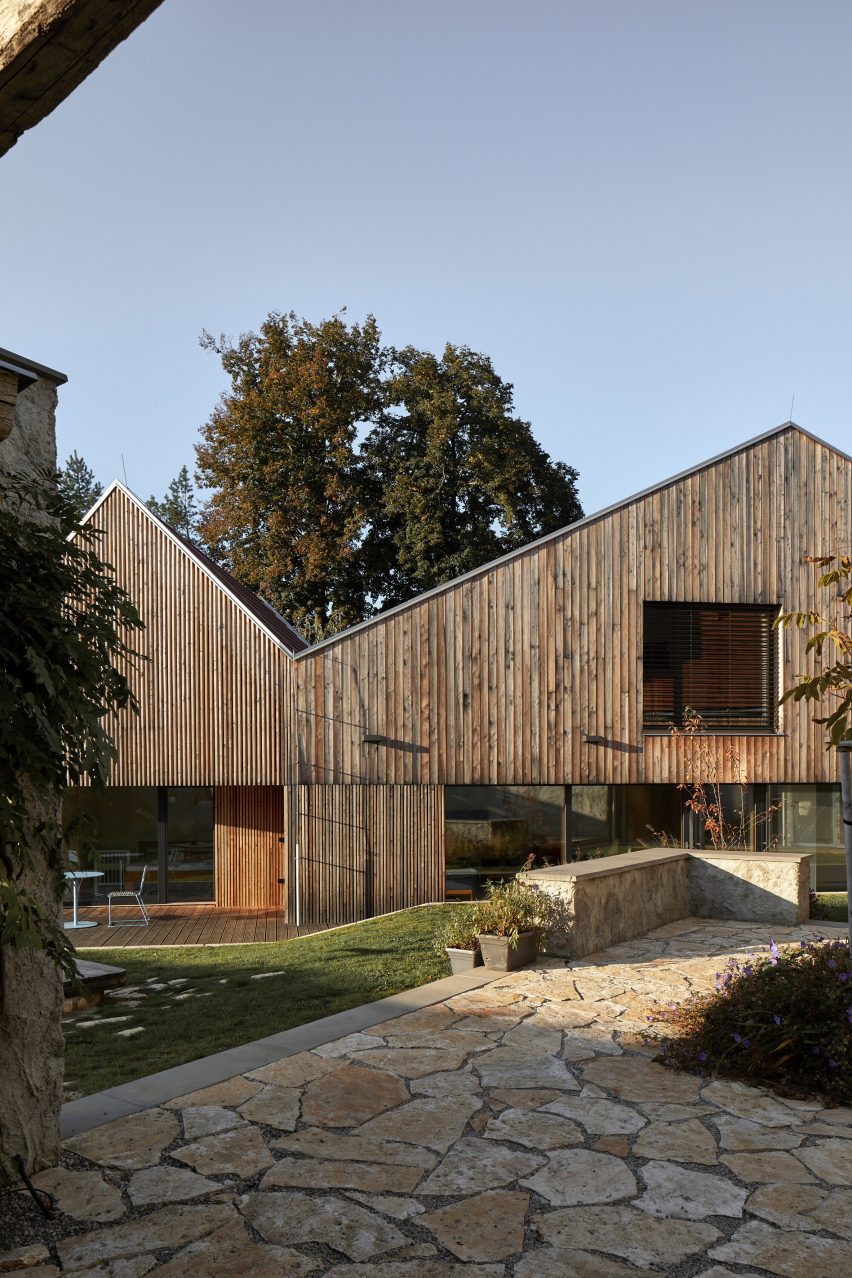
{"x": 64, "y": 628}
{"x": 78, "y": 486}
{"x": 446, "y": 476}
{"x": 279, "y": 454}
{"x": 832, "y": 684}
{"x": 454, "y": 477}
{"x": 179, "y": 508}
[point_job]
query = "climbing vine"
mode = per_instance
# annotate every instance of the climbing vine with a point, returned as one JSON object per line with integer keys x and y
{"x": 66, "y": 630}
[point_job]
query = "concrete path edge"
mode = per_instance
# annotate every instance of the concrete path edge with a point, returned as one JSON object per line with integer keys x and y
{"x": 129, "y": 1098}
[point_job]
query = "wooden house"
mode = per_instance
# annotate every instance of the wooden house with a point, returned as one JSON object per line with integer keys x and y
{"x": 524, "y": 708}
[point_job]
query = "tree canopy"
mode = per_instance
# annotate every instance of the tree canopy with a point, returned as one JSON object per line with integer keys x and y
{"x": 78, "y": 486}
{"x": 346, "y": 476}
{"x": 179, "y": 507}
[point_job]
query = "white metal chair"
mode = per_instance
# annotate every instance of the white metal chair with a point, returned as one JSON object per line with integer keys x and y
{"x": 134, "y": 896}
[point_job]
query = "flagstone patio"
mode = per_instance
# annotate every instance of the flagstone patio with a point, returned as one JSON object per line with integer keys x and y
{"x": 520, "y": 1129}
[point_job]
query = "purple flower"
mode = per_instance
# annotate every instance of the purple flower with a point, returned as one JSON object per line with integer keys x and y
{"x": 777, "y": 1019}
{"x": 832, "y": 963}
{"x": 738, "y": 1038}
{"x": 702, "y": 1056}
{"x": 832, "y": 1064}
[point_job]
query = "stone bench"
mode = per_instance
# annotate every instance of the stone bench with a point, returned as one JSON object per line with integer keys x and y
{"x": 616, "y": 898}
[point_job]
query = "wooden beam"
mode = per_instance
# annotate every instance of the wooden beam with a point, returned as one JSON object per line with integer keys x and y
{"x": 48, "y": 47}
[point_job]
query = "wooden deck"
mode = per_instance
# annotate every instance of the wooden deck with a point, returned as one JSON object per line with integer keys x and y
{"x": 183, "y": 925}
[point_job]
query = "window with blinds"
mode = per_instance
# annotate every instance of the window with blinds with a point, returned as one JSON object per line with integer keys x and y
{"x": 719, "y": 661}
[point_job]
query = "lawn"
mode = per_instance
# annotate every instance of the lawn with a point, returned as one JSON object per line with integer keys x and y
{"x": 182, "y": 1003}
{"x": 830, "y": 906}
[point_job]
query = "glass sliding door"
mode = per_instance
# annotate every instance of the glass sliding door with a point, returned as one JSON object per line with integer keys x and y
{"x": 113, "y": 831}
{"x": 123, "y": 830}
{"x": 189, "y": 844}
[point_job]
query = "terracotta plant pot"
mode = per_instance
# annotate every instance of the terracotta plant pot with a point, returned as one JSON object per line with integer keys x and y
{"x": 463, "y": 960}
{"x": 500, "y": 956}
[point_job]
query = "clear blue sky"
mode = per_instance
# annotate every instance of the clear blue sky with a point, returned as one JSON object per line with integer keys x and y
{"x": 640, "y": 209}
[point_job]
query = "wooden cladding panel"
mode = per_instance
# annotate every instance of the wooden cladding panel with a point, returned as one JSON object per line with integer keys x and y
{"x": 250, "y": 822}
{"x": 214, "y": 692}
{"x": 367, "y": 849}
{"x": 499, "y": 679}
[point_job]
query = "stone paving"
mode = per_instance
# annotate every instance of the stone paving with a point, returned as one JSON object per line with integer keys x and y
{"x": 517, "y": 1131}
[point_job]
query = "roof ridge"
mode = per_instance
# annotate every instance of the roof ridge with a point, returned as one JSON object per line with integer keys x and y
{"x": 578, "y": 523}
{"x": 248, "y": 600}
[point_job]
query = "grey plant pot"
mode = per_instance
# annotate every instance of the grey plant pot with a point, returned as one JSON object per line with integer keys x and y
{"x": 463, "y": 960}
{"x": 500, "y": 956}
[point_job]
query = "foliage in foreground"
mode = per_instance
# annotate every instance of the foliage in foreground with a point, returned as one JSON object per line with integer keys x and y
{"x": 833, "y": 683}
{"x": 783, "y": 1018}
{"x": 65, "y": 626}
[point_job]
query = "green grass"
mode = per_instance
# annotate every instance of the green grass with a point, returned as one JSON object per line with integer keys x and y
{"x": 320, "y": 975}
{"x": 830, "y": 906}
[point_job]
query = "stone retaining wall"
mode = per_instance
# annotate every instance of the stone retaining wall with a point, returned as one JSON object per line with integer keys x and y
{"x": 616, "y": 898}
{"x": 768, "y": 887}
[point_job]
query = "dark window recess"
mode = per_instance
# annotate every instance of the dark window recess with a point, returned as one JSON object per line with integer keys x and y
{"x": 718, "y": 661}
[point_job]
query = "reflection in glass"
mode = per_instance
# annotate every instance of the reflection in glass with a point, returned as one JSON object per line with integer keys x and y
{"x": 810, "y": 819}
{"x": 609, "y": 819}
{"x": 189, "y": 864}
{"x": 115, "y": 831}
{"x": 491, "y": 830}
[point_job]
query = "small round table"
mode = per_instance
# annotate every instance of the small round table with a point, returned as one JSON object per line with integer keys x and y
{"x": 75, "y": 878}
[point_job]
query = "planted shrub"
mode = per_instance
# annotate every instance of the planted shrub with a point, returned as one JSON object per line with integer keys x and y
{"x": 460, "y": 931}
{"x": 511, "y": 908}
{"x": 782, "y": 1018}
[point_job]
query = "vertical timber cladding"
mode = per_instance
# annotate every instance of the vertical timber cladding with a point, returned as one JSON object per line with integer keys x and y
{"x": 368, "y": 849}
{"x": 213, "y": 688}
{"x": 499, "y": 678}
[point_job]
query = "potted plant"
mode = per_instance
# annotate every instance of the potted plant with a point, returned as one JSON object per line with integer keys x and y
{"x": 511, "y": 923}
{"x": 460, "y": 941}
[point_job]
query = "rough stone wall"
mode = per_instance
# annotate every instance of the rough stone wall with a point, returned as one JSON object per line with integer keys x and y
{"x": 602, "y": 903}
{"x": 604, "y": 909}
{"x": 31, "y": 445}
{"x": 31, "y": 1042}
{"x": 767, "y": 889}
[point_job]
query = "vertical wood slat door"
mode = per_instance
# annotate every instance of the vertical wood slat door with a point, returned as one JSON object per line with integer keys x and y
{"x": 368, "y": 849}
{"x": 251, "y": 821}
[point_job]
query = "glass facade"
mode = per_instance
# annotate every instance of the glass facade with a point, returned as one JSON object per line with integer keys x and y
{"x": 809, "y": 818}
{"x": 492, "y": 830}
{"x": 608, "y": 819}
{"x": 114, "y": 831}
{"x": 189, "y": 824}
{"x": 124, "y": 830}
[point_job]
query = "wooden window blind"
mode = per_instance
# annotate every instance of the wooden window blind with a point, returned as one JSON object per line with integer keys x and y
{"x": 718, "y": 661}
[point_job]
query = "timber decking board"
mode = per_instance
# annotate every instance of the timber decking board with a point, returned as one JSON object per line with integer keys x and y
{"x": 176, "y": 925}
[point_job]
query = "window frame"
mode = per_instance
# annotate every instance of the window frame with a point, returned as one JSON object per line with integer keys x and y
{"x": 771, "y": 724}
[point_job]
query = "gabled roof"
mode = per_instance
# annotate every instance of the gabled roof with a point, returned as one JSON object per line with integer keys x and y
{"x": 266, "y": 617}
{"x": 579, "y": 523}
